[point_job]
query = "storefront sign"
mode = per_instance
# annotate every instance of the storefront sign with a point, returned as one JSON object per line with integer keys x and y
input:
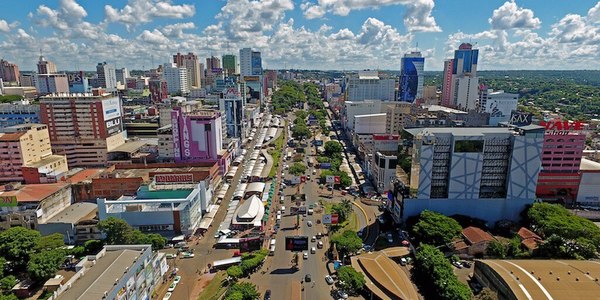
{"x": 173, "y": 178}
{"x": 561, "y": 127}
{"x": 8, "y": 201}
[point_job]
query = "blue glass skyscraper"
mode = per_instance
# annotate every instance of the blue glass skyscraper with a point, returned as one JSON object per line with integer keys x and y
{"x": 411, "y": 77}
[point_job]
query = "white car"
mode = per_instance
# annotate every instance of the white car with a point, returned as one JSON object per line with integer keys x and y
{"x": 313, "y": 250}
{"x": 305, "y": 255}
{"x": 177, "y": 279}
{"x": 167, "y": 296}
{"x": 329, "y": 279}
{"x": 172, "y": 287}
{"x": 309, "y": 223}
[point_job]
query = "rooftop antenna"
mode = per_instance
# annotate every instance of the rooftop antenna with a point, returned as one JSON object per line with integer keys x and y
{"x": 417, "y": 47}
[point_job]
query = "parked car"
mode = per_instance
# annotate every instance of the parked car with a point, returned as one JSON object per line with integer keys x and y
{"x": 172, "y": 287}
{"x": 320, "y": 245}
{"x": 341, "y": 294}
{"x": 170, "y": 256}
{"x": 268, "y": 295}
{"x": 457, "y": 264}
{"x": 305, "y": 255}
{"x": 167, "y": 296}
{"x": 309, "y": 223}
{"x": 328, "y": 279}
{"x": 466, "y": 264}
{"x": 177, "y": 279}
{"x": 313, "y": 239}
{"x": 403, "y": 261}
{"x": 307, "y": 277}
{"x": 187, "y": 255}
{"x": 313, "y": 250}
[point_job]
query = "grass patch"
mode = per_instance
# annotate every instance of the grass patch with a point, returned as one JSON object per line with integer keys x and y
{"x": 216, "y": 288}
{"x": 276, "y": 153}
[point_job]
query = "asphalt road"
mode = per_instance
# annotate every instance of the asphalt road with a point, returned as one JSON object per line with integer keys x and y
{"x": 204, "y": 253}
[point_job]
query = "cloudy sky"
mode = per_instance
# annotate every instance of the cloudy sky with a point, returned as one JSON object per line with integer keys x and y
{"x": 308, "y": 34}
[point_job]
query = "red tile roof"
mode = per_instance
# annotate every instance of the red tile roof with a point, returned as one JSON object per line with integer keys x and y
{"x": 475, "y": 235}
{"x": 34, "y": 192}
{"x": 84, "y": 175}
{"x": 525, "y": 233}
{"x": 11, "y": 137}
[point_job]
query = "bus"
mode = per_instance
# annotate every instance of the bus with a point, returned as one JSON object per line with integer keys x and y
{"x": 225, "y": 263}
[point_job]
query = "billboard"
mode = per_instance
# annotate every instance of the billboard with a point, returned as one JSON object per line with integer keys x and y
{"x": 251, "y": 78}
{"x": 326, "y": 219}
{"x": 325, "y": 165}
{"x": 520, "y": 119}
{"x": 113, "y": 126}
{"x": 296, "y": 243}
{"x": 332, "y": 179}
{"x": 6, "y": 201}
{"x": 111, "y": 108}
{"x": 334, "y": 218}
{"x": 173, "y": 178}
{"x": 250, "y": 244}
{"x": 256, "y": 64}
{"x": 75, "y": 77}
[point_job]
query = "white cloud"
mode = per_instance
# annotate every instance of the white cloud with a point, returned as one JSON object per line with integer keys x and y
{"x": 72, "y": 9}
{"x": 509, "y": 16}
{"x": 176, "y": 30}
{"x": 242, "y": 19}
{"x": 145, "y": 11}
{"x": 4, "y": 26}
{"x": 154, "y": 37}
{"x": 416, "y": 18}
{"x": 594, "y": 13}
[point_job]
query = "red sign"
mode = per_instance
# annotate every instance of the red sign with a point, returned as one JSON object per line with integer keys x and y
{"x": 334, "y": 219}
{"x": 174, "y": 178}
{"x": 336, "y": 180}
{"x": 562, "y": 125}
{"x": 302, "y": 178}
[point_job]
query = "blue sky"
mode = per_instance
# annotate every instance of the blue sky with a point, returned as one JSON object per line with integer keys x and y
{"x": 314, "y": 34}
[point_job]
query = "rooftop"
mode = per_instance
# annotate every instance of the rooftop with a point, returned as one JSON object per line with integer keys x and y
{"x": 75, "y": 213}
{"x": 460, "y": 131}
{"x": 548, "y": 279}
{"x": 130, "y": 147}
{"x": 525, "y": 233}
{"x": 589, "y": 165}
{"x": 449, "y": 110}
{"x": 384, "y": 277}
{"x": 11, "y": 137}
{"x": 46, "y": 160}
{"x": 83, "y": 175}
{"x": 102, "y": 275}
{"x": 35, "y": 192}
{"x": 475, "y": 235}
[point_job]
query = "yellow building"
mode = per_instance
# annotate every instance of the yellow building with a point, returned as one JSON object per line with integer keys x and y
{"x": 28, "y": 146}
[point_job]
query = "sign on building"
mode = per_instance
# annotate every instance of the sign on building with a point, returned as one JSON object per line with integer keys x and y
{"x": 296, "y": 243}
{"x": 8, "y": 201}
{"x": 173, "y": 178}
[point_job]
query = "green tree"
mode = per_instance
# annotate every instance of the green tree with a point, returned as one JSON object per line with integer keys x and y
{"x": 7, "y": 283}
{"x": 2, "y": 266}
{"x": 343, "y": 210}
{"x": 156, "y": 240}
{"x": 436, "y": 229}
{"x": 93, "y": 246}
{"x": 496, "y": 249}
{"x": 333, "y": 148}
{"x": 347, "y": 242}
{"x": 301, "y": 131}
{"x": 297, "y": 169}
{"x": 17, "y": 243}
{"x": 353, "y": 281}
{"x": 235, "y": 272}
{"x": 434, "y": 275}
{"x": 117, "y": 231}
{"x": 8, "y": 297}
{"x": 486, "y": 294}
{"x": 242, "y": 291}
{"x": 49, "y": 242}
{"x": 43, "y": 265}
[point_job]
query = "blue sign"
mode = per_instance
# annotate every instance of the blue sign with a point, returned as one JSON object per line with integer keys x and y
{"x": 325, "y": 165}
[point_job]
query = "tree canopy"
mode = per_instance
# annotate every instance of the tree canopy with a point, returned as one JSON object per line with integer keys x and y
{"x": 434, "y": 274}
{"x": 242, "y": 291}
{"x": 436, "y": 229}
{"x": 297, "y": 169}
{"x": 347, "y": 242}
{"x": 353, "y": 281}
{"x": 43, "y": 265}
{"x": 17, "y": 243}
{"x": 119, "y": 232}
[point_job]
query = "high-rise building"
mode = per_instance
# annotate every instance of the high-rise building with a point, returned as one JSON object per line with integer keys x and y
{"x": 84, "y": 127}
{"x": 29, "y": 146}
{"x": 192, "y": 64}
{"x": 250, "y": 63}
{"x": 233, "y": 105}
{"x": 52, "y": 83}
{"x": 498, "y": 104}
{"x": 9, "y": 72}
{"x": 78, "y": 83}
{"x": 489, "y": 173}
{"x": 158, "y": 90}
{"x": 562, "y": 148}
{"x": 411, "y": 77}
{"x": 213, "y": 69}
{"x": 460, "y": 90}
{"x": 107, "y": 76}
{"x": 176, "y": 78}
{"x": 197, "y": 135}
{"x": 122, "y": 74}
{"x": 368, "y": 85}
{"x": 45, "y": 66}
{"x": 229, "y": 64}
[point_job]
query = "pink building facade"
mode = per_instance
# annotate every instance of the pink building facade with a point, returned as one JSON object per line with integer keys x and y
{"x": 197, "y": 136}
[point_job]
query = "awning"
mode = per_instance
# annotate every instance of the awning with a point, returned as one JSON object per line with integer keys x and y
{"x": 179, "y": 238}
{"x": 205, "y": 223}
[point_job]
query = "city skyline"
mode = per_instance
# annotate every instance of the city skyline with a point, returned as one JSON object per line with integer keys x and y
{"x": 327, "y": 35}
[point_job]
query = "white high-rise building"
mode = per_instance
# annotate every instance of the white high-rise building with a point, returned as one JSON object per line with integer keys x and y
{"x": 107, "y": 76}
{"x": 368, "y": 85}
{"x": 176, "y": 78}
{"x": 498, "y": 104}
